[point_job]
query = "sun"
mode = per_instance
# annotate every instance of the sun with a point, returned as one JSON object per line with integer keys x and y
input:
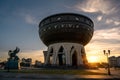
{"x": 93, "y": 59}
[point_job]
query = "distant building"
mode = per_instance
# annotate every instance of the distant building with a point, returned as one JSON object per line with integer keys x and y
{"x": 26, "y": 62}
{"x": 38, "y": 63}
{"x": 114, "y": 61}
{"x": 118, "y": 61}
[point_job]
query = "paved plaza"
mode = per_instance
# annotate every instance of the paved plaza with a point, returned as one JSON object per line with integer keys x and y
{"x": 115, "y": 75}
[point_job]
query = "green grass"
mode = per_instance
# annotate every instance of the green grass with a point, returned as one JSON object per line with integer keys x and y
{"x": 48, "y": 71}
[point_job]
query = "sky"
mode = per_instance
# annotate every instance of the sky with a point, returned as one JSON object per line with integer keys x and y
{"x": 19, "y": 20}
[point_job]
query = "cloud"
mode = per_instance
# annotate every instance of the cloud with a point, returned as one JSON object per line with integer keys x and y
{"x": 30, "y": 19}
{"x": 111, "y": 21}
{"x": 105, "y": 39}
{"x": 117, "y": 23}
{"x": 91, "y": 6}
{"x": 99, "y": 18}
{"x": 112, "y": 33}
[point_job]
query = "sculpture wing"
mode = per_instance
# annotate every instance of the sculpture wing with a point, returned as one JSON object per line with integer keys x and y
{"x": 16, "y": 50}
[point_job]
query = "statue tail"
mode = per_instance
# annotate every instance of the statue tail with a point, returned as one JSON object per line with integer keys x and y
{"x": 16, "y": 50}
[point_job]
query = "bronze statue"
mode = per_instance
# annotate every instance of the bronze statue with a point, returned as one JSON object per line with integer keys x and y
{"x": 13, "y": 53}
{"x": 13, "y": 60}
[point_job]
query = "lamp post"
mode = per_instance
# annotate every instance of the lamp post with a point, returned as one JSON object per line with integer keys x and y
{"x": 108, "y": 53}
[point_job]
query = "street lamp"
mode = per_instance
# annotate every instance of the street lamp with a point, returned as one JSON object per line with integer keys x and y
{"x": 107, "y": 60}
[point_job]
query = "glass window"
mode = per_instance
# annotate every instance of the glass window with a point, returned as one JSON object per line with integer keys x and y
{"x": 59, "y": 18}
{"x": 73, "y": 26}
{"x": 70, "y": 25}
{"x": 81, "y": 19}
{"x": 76, "y": 18}
{"x": 46, "y": 21}
{"x": 62, "y": 25}
{"x": 53, "y": 19}
{"x": 49, "y": 27}
{"x": 71, "y": 17}
{"x": 44, "y": 29}
{"x": 55, "y": 26}
{"x": 77, "y": 26}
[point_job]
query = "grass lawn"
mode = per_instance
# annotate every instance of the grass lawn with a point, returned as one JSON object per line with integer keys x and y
{"x": 59, "y": 71}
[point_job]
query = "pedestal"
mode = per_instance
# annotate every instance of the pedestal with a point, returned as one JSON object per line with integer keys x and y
{"x": 11, "y": 64}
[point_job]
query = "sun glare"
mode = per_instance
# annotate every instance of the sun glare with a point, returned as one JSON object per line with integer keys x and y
{"x": 93, "y": 59}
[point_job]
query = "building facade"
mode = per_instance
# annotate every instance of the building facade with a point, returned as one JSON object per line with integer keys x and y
{"x": 26, "y": 62}
{"x": 114, "y": 61}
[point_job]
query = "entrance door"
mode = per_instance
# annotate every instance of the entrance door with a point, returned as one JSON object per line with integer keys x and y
{"x": 74, "y": 59}
{"x": 60, "y": 59}
{"x": 61, "y": 56}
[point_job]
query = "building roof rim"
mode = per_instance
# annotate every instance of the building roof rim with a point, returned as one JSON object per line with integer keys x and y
{"x": 65, "y": 14}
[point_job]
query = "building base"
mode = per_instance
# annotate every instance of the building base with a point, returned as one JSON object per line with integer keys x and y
{"x": 65, "y": 54}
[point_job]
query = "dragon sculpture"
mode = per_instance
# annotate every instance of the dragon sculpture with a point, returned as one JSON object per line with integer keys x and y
{"x": 13, "y": 53}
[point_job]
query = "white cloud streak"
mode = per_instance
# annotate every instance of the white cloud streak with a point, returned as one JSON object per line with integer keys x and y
{"x": 105, "y": 39}
{"x": 116, "y": 23}
{"x": 107, "y": 34}
{"x": 103, "y": 6}
{"x": 99, "y": 18}
{"x": 111, "y": 21}
{"x": 30, "y": 19}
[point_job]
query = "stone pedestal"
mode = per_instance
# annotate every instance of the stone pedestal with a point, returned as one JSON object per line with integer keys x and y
{"x": 11, "y": 64}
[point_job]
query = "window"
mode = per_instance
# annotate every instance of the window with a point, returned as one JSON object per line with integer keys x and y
{"x": 55, "y": 26}
{"x": 73, "y": 26}
{"x": 46, "y": 21}
{"x": 87, "y": 21}
{"x": 49, "y": 27}
{"x": 44, "y": 29}
{"x": 58, "y": 18}
{"x": 82, "y": 19}
{"x": 77, "y": 26}
{"x": 70, "y": 25}
{"x": 62, "y": 25}
{"x": 53, "y": 19}
{"x": 77, "y": 18}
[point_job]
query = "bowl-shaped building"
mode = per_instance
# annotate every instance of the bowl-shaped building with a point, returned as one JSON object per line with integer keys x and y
{"x": 66, "y": 27}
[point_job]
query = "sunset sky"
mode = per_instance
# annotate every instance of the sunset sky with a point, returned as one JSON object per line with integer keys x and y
{"x": 19, "y": 21}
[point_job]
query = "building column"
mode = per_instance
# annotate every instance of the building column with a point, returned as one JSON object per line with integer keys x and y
{"x": 55, "y": 54}
{"x": 79, "y": 58}
{"x": 47, "y": 61}
{"x": 47, "y": 58}
{"x": 55, "y": 57}
{"x": 67, "y": 54}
